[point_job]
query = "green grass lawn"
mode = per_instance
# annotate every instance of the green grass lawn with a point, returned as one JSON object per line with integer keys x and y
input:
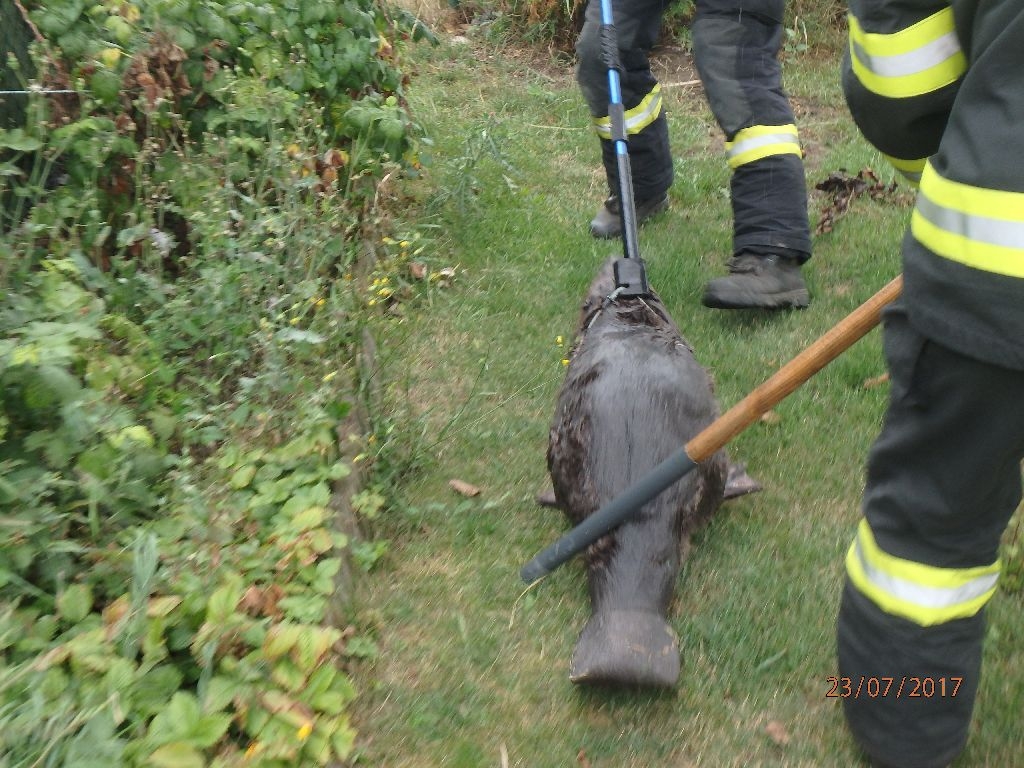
{"x": 470, "y": 671}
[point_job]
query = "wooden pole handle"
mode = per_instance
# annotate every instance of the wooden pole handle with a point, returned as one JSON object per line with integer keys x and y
{"x": 793, "y": 374}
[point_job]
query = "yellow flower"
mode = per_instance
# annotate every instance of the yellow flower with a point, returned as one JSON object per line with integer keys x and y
{"x": 385, "y": 292}
{"x": 294, "y": 321}
{"x": 404, "y": 244}
{"x": 387, "y": 240}
{"x": 329, "y": 376}
{"x": 304, "y": 731}
{"x": 565, "y": 361}
{"x": 321, "y": 302}
{"x": 371, "y": 302}
{"x": 559, "y": 341}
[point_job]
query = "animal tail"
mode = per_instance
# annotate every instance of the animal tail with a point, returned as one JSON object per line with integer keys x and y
{"x": 626, "y": 648}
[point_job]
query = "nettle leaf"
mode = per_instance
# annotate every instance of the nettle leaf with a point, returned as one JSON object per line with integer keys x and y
{"x": 156, "y": 687}
{"x": 313, "y": 643}
{"x": 176, "y": 755}
{"x": 288, "y": 675}
{"x": 243, "y": 476}
{"x": 311, "y": 517}
{"x": 19, "y": 141}
{"x": 75, "y": 602}
{"x": 221, "y": 691}
{"x": 280, "y": 639}
{"x": 344, "y": 740}
{"x": 305, "y": 608}
{"x": 331, "y": 702}
{"x": 178, "y": 721}
{"x": 321, "y": 679}
{"x": 223, "y": 603}
{"x": 96, "y": 745}
{"x": 161, "y": 606}
{"x": 56, "y": 18}
{"x": 209, "y": 730}
{"x": 154, "y": 648}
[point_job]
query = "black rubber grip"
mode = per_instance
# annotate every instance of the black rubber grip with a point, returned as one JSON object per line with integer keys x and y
{"x": 610, "y": 47}
{"x": 609, "y": 517}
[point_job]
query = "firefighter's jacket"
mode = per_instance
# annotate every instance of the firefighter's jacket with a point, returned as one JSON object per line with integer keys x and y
{"x": 939, "y": 89}
{"x": 907, "y": 64}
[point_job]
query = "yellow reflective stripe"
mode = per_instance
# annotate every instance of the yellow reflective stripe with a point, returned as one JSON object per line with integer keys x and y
{"x": 981, "y": 228}
{"x": 919, "y": 59}
{"x": 924, "y": 594}
{"x": 760, "y": 141}
{"x": 908, "y": 169}
{"x": 637, "y": 118}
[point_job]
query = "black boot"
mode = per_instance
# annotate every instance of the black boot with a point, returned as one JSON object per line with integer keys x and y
{"x": 608, "y": 221}
{"x": 758, "y": 281}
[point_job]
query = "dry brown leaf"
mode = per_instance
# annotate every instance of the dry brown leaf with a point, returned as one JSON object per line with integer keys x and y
{"x": 114, "y": 613}
{"x": 329, "y": 176}
{"x": 844, "y": 189}
{"x": 770, "y": 417}
{"x": 777, "y": 732}
{"x": 876, "y": 381}
{"x": 334, "y": 158}
{"x": 464, "y": 488}
{"x": 581, "y": 758}
{"x": 418, "y": 270}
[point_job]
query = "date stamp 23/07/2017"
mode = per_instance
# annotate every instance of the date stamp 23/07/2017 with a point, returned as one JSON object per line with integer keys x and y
{"x": 899, "y": 687}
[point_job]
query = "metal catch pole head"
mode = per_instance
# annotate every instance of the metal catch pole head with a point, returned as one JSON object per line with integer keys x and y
{"x": 630, "y": 277}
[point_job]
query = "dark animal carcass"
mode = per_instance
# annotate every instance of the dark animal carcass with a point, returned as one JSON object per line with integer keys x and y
{"x": 633, "y": 394}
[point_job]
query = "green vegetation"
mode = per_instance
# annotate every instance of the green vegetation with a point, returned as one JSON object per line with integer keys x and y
{"x": 471, "y": 670}
{"x": 250, "y": 235}
{"x": 186, "y": 289}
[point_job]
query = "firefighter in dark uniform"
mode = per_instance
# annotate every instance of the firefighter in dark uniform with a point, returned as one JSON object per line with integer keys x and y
{"x": 939, "y": 89}
{"x": 736, "y": 45}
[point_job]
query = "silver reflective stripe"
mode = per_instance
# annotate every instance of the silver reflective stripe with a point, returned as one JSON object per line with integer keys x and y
{"x": 925, "y": 597}
{"x": 980, "y": 229}
{"x": 902, "y": 64}
{"x": 647, "y": 116}
{"x": 635, "y": 121}
{"x": 756, "y": 142}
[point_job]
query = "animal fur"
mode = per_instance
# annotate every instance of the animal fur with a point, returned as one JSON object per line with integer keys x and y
{"x": 633, "y": 394}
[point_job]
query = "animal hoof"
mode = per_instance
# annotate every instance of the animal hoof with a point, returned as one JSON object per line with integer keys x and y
{"x": 626, "y": 648}
{"x": 739, "y": 483}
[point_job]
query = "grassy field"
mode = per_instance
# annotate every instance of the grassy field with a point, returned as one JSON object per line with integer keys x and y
{"x": 470, "y": 671}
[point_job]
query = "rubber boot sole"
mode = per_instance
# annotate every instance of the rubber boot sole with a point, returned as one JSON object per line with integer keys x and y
{"x": 796, "y": 299}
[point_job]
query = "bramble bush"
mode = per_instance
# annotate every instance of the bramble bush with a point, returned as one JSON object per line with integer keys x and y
{"x": 178, "y": 324}
{"x": 151, "y": 75}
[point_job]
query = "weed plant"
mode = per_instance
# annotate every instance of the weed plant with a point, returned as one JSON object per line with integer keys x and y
{"x": 179, "y": 328}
